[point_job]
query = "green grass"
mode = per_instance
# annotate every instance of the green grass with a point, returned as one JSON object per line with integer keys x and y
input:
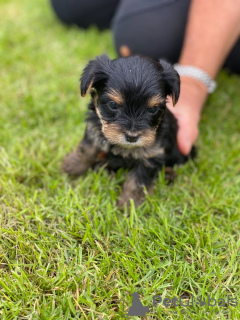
{"x": 66, "y": 251}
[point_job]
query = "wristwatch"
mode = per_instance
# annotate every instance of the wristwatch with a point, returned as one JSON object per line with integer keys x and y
{"x": 198, "y": 74}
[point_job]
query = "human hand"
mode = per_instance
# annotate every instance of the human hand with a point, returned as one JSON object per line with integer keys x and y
{"x": 188, "y": 112}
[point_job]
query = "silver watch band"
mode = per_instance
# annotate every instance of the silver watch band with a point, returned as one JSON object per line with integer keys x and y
{"x": 198, "y": 74}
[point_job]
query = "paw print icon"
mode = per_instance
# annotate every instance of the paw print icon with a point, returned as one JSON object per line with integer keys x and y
{"x": 137, "y": 308}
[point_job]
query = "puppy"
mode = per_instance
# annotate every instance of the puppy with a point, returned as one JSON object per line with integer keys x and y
{"x": 128, "y": 124}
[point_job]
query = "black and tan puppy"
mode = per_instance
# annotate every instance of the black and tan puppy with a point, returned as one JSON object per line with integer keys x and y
{"x": 128, "y": 124}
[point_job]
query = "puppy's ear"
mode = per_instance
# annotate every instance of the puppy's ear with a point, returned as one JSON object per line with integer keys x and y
{"x": 95, "y": 72}
{"x": 87, "y": 77}
{"x": 172, "y": 81}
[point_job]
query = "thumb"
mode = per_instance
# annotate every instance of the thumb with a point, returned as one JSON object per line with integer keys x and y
{"x": 186, "y": 136}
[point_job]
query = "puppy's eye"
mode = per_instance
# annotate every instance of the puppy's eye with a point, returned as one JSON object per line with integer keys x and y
{"x": 153, "y": 110}
{"x": 113, "y": 106}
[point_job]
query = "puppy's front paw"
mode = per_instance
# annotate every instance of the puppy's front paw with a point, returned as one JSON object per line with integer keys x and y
{"x": 132, "y": 190}
{"x": 73, "y": 164}
{"x": 125, "y": 197}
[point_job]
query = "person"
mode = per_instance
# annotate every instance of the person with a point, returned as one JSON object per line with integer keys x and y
{"x": 201, "y": 35}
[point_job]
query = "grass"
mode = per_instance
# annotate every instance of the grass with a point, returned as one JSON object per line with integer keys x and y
{"x": 66, "y": 251}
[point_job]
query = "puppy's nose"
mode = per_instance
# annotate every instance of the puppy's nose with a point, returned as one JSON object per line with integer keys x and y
{"x": 131, "y": 138}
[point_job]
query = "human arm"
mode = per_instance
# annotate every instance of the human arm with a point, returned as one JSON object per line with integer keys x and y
{"x": 213, "y": 28}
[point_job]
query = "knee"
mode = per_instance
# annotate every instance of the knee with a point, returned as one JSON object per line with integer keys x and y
{"x": 122, "y": 41}
{"x": 133, "y": 36}
{"x": 150, "y": 32}
{"x": 63, "y": 11}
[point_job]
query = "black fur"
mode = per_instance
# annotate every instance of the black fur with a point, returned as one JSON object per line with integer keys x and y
{"x": 136, "y": 79}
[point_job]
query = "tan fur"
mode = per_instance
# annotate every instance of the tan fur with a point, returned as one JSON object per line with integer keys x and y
{"x": 112, "y": 132}
{"x": 155, "y": 101}
{"x": 102, "y": 143}
{"x": 144, "y": 149}
{"x": 115, "y": 135}
{"x": 116, "y": 96}
{"x": 174, "y": 100}
{"x": 148, "y": 137}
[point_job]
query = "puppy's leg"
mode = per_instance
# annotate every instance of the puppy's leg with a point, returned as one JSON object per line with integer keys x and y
{"x": 78, "y": 161}
{"x": 133, "y": 187}
{"x": 170, "y": 175}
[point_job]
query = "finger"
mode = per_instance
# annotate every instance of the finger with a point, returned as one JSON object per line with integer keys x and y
{"x": 124, "y": 51}
{"x": 186, "y": 137}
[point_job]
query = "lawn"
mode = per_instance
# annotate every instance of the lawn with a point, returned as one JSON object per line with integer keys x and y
{"x": 66, "y": 251}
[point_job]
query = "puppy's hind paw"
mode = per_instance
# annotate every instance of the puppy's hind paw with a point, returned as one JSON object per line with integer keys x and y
{"x": 73, "y": 165}
{"x": 122, "y": 202}
{"x": 170, "y": 175}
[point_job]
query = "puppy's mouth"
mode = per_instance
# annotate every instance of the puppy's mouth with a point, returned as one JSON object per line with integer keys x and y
{"x": 130, "y": 145}
{"x": 126, "y": 139}
{"x": 123, "y": 140}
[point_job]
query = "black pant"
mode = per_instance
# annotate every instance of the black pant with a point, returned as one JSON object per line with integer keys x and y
{"x": 154, "y": 28}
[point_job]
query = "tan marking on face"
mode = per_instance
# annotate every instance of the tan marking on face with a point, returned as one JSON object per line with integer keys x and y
{"x": 155, "y": 101}
{"x": 98, "y": 113}
{"x": 95, "y": 100}
{"x": 148, "y": 137}
{"x": 115, "y": 135}
{"x": 112, "y": 132}
{"x": 116, "y": 96}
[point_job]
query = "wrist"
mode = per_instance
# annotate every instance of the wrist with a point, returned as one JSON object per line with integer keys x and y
{"x": 195, "y": 88}
{"x": 191, "y": 101}
{"x": 199, "y": 74}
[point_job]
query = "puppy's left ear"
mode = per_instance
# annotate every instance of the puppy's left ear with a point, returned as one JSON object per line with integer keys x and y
{"x": 172, "y": 81}
{"x": 94, "y": 74}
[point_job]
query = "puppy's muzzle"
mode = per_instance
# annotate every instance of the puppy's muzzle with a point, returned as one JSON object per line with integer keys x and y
{"x": 131, "y": 138}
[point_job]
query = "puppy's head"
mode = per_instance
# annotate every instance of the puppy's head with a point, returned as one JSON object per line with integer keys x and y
{"x": 130, "y": 97}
